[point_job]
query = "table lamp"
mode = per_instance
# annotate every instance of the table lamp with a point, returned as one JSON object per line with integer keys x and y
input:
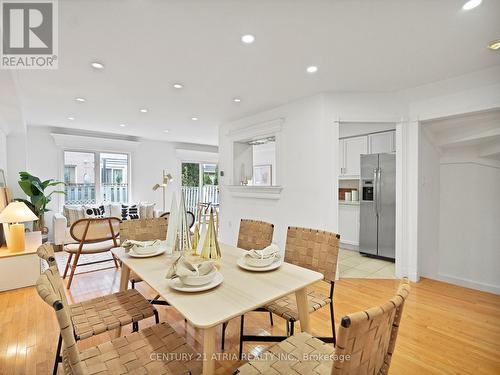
{"x": 15, "y": 214}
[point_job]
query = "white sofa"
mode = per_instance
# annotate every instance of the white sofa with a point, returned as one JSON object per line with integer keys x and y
{"x": 62, "y": 228}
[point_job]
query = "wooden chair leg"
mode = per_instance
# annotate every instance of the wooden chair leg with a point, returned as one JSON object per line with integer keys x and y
{"x": 223, "y": 338}
{"x": 242, "y": 325}
{"x": 73, "y": 268}
{"x": 67, "y": 265}
{"x": 271, "y": 318}
{"x": 116, "y": 262}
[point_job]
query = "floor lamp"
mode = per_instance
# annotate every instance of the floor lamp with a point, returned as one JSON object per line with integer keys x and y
{"x": 167, "y": 178}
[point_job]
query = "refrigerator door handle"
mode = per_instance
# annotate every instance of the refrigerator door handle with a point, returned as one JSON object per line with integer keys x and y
{"x": 379, "y": 188}
{"x": 375, "y": 190}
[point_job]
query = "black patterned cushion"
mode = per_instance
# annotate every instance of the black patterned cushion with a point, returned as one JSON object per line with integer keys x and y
{"x": 93, "y": 212}
{"x": 130, "y": 212}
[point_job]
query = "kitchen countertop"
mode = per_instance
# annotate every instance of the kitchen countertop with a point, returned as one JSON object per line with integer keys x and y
{"x": 349, "y": 203}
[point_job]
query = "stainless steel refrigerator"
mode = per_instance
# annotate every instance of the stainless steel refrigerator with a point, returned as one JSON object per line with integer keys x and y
{"x": 377, "y": 229}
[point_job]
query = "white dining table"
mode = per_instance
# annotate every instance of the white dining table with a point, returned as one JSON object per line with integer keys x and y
{"x": 240, "y": 292}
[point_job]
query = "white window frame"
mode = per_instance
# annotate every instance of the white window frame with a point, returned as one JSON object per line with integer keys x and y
{"x": 97, "y": 169}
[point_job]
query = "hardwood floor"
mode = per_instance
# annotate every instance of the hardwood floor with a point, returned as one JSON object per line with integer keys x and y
{"x": 445, "y": 329}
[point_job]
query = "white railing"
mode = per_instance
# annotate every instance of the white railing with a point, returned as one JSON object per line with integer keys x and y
{"x": 86, "y": 193}
{"x": 194, "y": 195}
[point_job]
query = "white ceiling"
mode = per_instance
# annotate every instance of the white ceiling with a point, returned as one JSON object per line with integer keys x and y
{"x": 147, "y": 45}
{"x": 480, "y": 131}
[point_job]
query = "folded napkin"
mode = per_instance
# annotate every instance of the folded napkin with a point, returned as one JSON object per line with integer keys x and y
{"x": 142, "y": 247}
{"x": 272, "y": 251}
{"x": 182, "y": 267}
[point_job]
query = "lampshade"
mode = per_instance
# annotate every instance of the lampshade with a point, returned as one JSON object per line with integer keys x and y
{"x": 17, "y": 212}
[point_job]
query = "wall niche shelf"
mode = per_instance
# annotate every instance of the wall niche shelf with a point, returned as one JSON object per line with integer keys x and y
{"x": 258, "y": 192}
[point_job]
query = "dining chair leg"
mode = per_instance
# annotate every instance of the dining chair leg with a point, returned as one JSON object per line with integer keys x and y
{"x": 287, "y": 328}
{"x": 67, "y": 265}
{"x": 292, "y": 325}
{"x": 132, "y": 284}
{"x": 58, "y": 355}
{"x": 224, "y": 326}
{"x": 157, "y": 317}
{"x": 242, "y": 324}
{"x": 271, "y": 318}
{"x": 73, "y": 269}
{"x": 332, "y": 319}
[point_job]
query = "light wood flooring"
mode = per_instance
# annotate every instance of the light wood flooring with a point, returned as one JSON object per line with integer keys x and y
{"x": 445, "y": 329}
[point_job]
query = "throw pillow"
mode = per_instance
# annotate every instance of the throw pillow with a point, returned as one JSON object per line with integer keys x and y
{"x": 94, "y": 211}
{"x": 146, "y": 210}
{"x": 130, "y": 212}
{"x": 73, "y": 213}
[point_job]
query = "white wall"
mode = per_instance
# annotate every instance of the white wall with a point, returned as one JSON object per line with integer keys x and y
{"x": 3, "y": 151}
{"x": 429, "y": 208}
{"x": 306, "y": 168}
{"x": 469, "y": 235}
{"x": 43, "y": 158}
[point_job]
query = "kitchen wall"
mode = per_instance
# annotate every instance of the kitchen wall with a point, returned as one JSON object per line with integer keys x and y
{"x": 354, "y": 129}
{"x": 266, "y": 155}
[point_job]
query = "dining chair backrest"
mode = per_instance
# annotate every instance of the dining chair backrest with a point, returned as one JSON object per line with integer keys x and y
{"x": 96, "y": 230}
{"x": 313, "y": 249}
{"x": 368, "y": 337}
{"x": 254, "y": 234}
{"x": 144, "y": 229}
{"x": 49, "y": 287}
{"x": 46, "y": 252}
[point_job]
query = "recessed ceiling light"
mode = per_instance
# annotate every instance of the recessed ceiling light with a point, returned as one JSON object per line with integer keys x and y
{"x": 312, "y": 69}
{"x": 81, "y": 100}
{"x": 122, "y": 125}
{"x": 178, "y": 85}
{"x": 143, "y": 110}
{"x": 494, "y": 45}
{"x": 97, "y": 65}
{"x": 71, "y": 118}
{"x": 471, "y": 4}
{"x": 194, "y": 118}
{"x": 166, "y": 131}
{"x": 237, "y": 100}
{"x": 248, "y": 39}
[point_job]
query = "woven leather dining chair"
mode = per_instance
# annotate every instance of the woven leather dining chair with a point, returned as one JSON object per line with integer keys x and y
{"x": 144, "y": 230}
{"x": 313, "y": 249}
{"x": 92, "y": 236}
{"x": 128, "y": 354}
{"x": 97, "y": 315}
{"x": 365, "y": 345}
{"x": 256, "y": 235}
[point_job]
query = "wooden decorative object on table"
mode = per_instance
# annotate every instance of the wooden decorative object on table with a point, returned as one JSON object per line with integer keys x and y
{"x": 211, "y": 249}
{"x": 183, "y": 242}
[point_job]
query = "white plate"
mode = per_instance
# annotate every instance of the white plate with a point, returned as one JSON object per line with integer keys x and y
{"x": 272, "y": 266}
{"x": 178, "y": 285}
{"x": 149, "y": 255}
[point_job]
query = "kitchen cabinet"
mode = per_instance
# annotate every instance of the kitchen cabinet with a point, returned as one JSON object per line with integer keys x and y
{"x": 351, "y": 149}
{"x": 349, "y": 223}
{"x": 381, "y": 142}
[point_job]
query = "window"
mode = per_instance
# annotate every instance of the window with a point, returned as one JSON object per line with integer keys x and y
{"x": 255, "y": 162}
{"x": 89, "y": 182}
{"x": 200, "y": 184}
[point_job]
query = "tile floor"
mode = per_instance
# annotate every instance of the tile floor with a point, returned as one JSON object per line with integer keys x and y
{"x": 351, "y": 264}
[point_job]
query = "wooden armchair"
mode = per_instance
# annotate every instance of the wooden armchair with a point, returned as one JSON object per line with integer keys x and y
{"x": 93, "y": 236}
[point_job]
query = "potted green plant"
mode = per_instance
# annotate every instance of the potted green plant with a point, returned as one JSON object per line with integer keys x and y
{"x": 35, "y": 189}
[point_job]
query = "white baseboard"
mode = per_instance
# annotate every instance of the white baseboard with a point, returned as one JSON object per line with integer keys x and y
{"x": 349, "y": 245}
{"x": 473, "y": 284}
